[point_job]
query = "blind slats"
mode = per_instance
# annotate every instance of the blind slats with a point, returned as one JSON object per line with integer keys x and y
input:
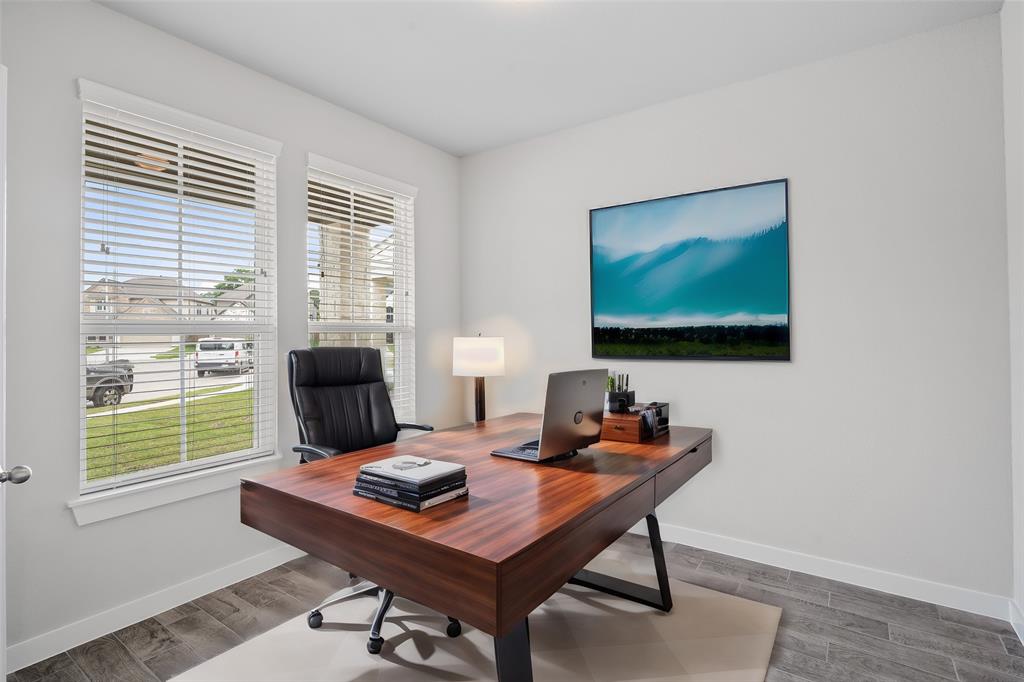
{"x": 360, "y": 275}
{"x": 152, "y": 203}
{"x": 178, "y": 345}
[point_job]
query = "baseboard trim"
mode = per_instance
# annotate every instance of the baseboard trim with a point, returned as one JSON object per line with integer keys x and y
{"x": 1017, "y": 619}
{"x": 65, "y": 637}
{"x": 952, "y": 596}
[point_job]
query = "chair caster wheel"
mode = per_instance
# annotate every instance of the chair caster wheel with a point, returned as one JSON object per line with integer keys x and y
{"x": 374, "y": 645}
{"x": 315, "y": 619}
{"x": 454, "y": 628}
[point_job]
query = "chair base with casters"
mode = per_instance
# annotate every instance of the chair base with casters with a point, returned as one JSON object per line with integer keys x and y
{"x": 386, "y": 597}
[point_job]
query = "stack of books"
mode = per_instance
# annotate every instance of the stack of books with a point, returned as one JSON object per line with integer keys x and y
{"x": 411, "y": 483}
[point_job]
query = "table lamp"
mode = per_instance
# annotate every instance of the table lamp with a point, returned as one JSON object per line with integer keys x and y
{"x": 479, "y": 357}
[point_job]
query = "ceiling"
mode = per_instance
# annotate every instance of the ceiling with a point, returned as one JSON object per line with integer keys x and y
{"x": 470, "y": 76}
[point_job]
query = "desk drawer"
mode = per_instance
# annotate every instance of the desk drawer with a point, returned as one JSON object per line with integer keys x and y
{"x": 625, "y": 430}
{"x": 675, "y": 475}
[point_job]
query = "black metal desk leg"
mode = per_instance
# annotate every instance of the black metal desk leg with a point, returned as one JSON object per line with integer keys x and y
{"x": 512, "y": 654}
{"x": 654, "y": 533}
{"x": 660, "y": 598}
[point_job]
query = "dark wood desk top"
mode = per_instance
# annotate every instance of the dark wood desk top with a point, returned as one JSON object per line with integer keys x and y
{"x": 511, "y": 504}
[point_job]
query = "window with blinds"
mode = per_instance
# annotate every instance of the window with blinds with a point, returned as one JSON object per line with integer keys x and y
{"x": 360, "y": 270}
{"x": 177, "y": 299}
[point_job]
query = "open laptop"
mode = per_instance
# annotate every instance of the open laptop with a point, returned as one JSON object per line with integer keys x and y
{"x": 573, "y": 412}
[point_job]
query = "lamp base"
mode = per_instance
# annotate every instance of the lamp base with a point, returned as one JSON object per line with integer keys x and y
{"x": 481, "y": 411}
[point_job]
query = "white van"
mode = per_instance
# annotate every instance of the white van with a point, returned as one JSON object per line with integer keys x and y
{"x": 223, "y": 355}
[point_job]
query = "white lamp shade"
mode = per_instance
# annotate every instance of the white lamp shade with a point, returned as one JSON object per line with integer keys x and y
{"x": 478, "y": 356}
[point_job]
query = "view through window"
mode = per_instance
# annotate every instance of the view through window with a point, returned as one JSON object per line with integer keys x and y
{"x": 178, "y": 255}
{"x": 360, "y": 275}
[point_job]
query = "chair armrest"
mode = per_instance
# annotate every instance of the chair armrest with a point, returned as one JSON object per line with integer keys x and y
{"x": 420, "y": 427}
{"x": 311, "y": 453}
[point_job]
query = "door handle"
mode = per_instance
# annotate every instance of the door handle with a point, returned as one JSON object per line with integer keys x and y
{"x": 18, "y": 474}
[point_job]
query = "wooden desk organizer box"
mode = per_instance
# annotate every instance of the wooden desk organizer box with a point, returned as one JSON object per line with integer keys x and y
{"x": 630, "y": 426}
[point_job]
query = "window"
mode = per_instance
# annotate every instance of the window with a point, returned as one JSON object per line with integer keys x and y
{"x": 360, "y": 270}
{"x": 177, "y": 294}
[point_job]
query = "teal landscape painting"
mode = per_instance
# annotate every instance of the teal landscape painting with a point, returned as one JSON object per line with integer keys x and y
{"x": 703, "y": 275}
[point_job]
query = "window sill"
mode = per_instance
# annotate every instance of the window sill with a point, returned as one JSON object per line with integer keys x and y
{"x": 109, "y": 504}
{"x": 408, "y": 434}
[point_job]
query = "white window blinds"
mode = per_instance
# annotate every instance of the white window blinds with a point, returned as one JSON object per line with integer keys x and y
{"x": 360, "y": 270}
{"x": 177, "y": 298}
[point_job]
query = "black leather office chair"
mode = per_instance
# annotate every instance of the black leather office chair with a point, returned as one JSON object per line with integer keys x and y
{"x": 341, "y": 404}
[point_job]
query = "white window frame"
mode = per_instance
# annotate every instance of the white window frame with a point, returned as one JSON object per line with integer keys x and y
{"x": 405, "y": 371}
{"x": 150, "y": 487}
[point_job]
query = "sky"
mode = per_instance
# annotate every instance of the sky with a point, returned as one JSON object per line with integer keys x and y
{"x": 643, "y": 227}
{"x": 131, "y": 239}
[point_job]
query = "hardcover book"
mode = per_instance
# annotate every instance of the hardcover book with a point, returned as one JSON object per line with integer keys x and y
{"x": 459, "y": 477}
{"x": 415, "y": 470}
{"x": 412, "y": 506}
{"x": 378, "y": 488}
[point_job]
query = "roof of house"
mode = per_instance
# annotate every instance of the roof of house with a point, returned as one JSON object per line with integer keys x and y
{"x": 164, "y": 292}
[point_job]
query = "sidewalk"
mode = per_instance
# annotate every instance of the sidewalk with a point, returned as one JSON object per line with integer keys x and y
{"x": 167, "y": 403}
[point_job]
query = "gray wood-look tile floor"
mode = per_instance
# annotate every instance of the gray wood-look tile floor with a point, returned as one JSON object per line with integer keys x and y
{"x": 829, "y": 630}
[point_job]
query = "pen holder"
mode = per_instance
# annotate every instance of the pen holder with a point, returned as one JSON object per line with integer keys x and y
{"x": 620, "y": 401}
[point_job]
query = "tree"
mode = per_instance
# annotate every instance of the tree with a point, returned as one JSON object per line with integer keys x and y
{"x": 314, "y": 302}
{"x": 233, "y": 280}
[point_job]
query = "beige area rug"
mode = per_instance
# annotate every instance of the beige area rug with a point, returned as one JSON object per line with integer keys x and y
{"x": 578, "y": 634}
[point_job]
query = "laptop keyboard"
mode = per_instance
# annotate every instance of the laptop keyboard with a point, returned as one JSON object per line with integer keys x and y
{"x": 526, "y": 450}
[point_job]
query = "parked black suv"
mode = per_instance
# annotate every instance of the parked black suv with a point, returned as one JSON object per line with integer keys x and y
{"x": 106, "y": 383}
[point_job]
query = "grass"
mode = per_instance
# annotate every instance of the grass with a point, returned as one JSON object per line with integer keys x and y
{"x": 692, "y": 349}
{"x": 173, "y": 396}
{"x": 89, "y": 350}
{"x": 174, "y": 352}
{"x": 124, "y": 443}
{"x": 707, "y": 341}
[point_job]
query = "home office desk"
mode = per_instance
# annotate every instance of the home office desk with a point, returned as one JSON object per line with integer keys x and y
{"x": 489, "y": 560}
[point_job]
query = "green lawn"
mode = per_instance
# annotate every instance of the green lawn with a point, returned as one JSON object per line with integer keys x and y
{"x": 152, "y": 438}
{"x": 172, "y": 353}
{"x": 89, "y": 350}
{"x": 691, "y": 349}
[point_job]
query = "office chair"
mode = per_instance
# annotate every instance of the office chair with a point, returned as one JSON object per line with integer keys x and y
{"x": 342, "y": 405}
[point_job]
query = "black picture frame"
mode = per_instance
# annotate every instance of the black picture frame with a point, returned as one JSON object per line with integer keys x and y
{"x": 700, "y": 358}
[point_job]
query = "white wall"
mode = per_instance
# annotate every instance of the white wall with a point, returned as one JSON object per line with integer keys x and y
{"x": 885, "y": 442}
{"x": 59, "y": 572}
{"x": 1012, "y": 23}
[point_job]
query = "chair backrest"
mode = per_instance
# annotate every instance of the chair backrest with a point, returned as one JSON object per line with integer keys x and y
{"x": 340, "y": 398}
